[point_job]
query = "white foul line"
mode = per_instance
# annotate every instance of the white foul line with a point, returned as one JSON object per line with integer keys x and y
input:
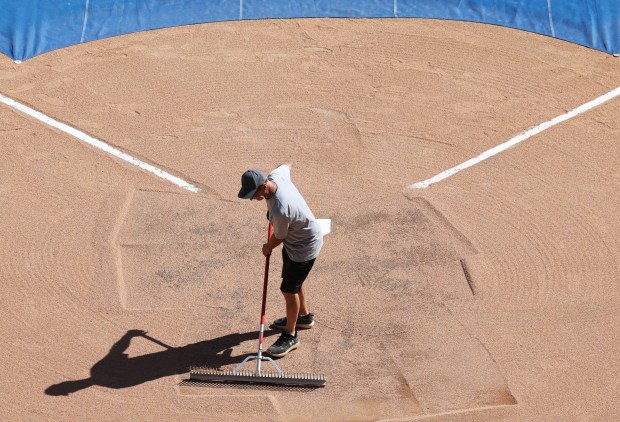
{"x": 98, "y": 144}
{"x": 519, "y": 138}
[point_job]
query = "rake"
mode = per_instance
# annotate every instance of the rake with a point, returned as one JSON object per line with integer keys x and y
{"x": 278, "y": 377}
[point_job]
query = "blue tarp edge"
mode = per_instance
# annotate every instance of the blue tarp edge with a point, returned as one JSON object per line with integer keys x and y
{"x": 32, "y": 27}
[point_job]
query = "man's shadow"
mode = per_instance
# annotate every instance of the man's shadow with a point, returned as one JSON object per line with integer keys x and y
{"x": 118, "y": 370}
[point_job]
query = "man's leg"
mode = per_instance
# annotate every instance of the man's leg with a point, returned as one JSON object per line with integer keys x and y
{"x": 303, "y": 305}
{"x": 293, "y": 276}
{"x": 292, "y": 310}
{"x": 288, "y": 339}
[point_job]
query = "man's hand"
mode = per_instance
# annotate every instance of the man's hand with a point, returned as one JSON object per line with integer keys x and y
{"x": 267, "y": 249}
{"x": 271, "y": 244}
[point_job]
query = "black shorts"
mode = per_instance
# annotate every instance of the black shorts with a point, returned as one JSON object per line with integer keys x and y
{"x": 294, "y": 273}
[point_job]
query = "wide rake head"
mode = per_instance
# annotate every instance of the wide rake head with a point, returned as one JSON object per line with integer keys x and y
{"x": 276, "y": 378}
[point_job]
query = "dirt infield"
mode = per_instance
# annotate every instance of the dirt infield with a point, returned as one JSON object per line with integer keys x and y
{"x": 490, "y": 296}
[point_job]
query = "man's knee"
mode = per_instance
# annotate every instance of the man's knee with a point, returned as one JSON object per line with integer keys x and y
{"x": 290, "y": 297}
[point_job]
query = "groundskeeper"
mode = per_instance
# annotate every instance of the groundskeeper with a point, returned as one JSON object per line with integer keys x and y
{"x": 297, "y": 229}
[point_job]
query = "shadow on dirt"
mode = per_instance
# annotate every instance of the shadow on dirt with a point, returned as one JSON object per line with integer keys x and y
{"x": 118, "y": 370}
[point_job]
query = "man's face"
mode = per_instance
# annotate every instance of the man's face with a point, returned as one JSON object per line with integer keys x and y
{"x": 260, "y": 193}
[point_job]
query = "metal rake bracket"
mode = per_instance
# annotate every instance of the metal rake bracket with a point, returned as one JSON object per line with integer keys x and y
{"x": 258, "y": 366}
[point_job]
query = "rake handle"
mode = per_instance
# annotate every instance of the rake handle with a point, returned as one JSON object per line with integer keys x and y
{"x": 266, "y": 278}
{"x": 264, "y": 305}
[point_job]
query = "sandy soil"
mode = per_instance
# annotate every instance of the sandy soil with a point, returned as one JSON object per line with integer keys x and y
{"x": 491, "y": 296}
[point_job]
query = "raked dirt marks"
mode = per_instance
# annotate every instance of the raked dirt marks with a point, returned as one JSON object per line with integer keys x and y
{"x": 565, "y": 252}
{"x": 173, "y": 250}
{"x": 561, "y": 229}
{"x": 398, "y": 268}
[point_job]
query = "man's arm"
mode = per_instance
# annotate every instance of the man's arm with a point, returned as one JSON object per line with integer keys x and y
{"x": 271, "y": 244}
{"x": 280, "y": 228}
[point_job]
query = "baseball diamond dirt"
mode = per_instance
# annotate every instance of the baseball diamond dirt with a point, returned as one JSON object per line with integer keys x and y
{"x": 489, "y": 296}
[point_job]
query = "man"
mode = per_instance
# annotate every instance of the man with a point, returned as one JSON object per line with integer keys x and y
{"x": 295, "y": 227}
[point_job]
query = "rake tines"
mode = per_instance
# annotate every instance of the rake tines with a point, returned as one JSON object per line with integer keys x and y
{"x": 281, "y": 378}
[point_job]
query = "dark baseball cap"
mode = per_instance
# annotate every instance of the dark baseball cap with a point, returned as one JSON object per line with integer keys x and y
{"x": 250, "y": 181}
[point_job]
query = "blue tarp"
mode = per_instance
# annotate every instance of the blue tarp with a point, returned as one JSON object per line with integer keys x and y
{"x": 32, "y": 27}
